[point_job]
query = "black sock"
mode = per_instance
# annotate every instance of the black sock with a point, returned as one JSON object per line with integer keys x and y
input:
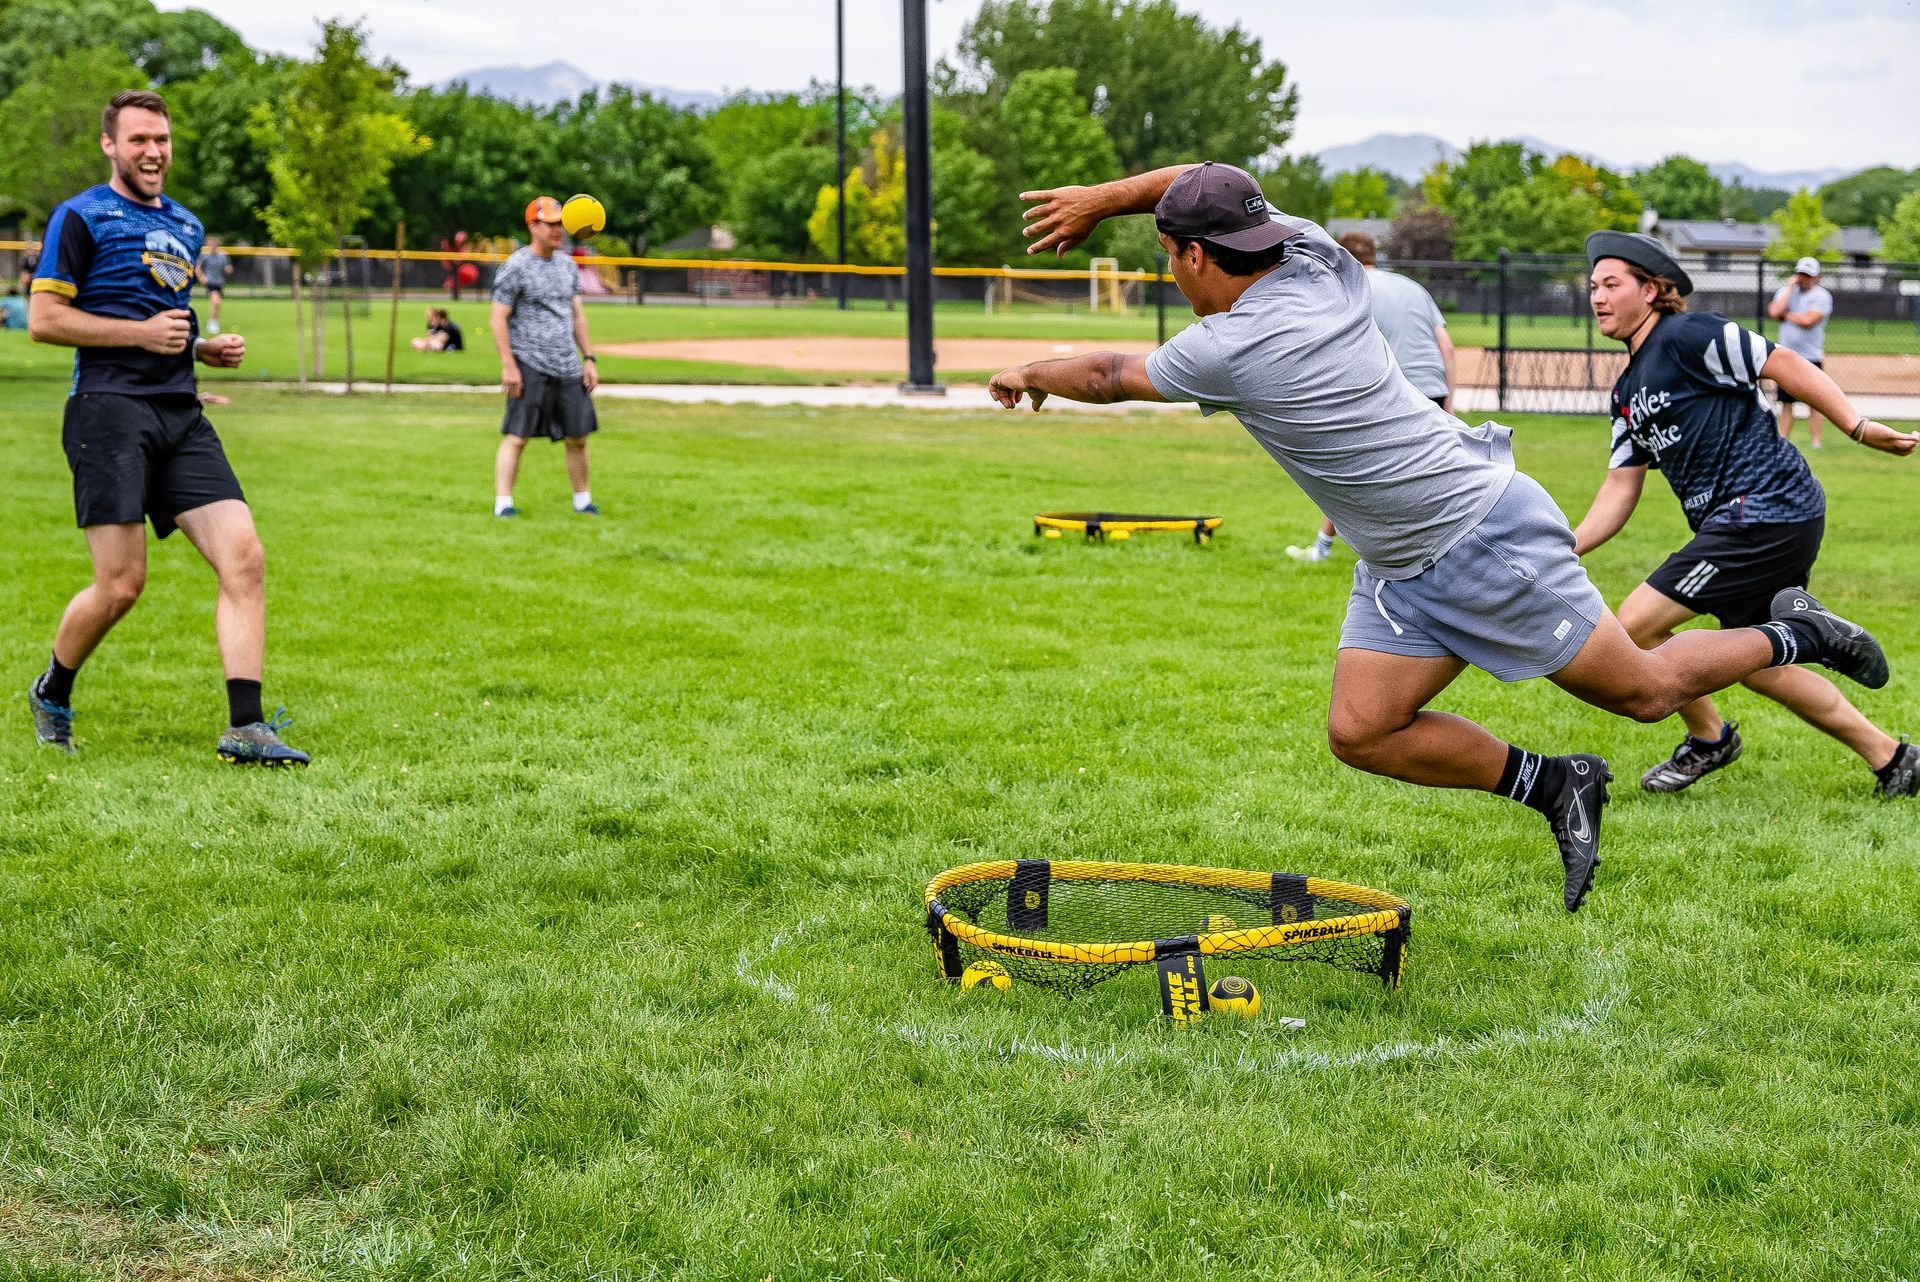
{"x": 1885, "y": 773}
{"x": 1726, "y": 728}
{"x": 1793, "y": 641}
{"x": 243, "y": 702}
{"x": 1531, "y": 779}
{"x": 56, "y": 683}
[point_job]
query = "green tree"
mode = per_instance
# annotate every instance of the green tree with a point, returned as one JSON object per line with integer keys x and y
{"x": 774, "y": 196}
{"x": 58, "y": 107}
{"x": 166, "y": 47}
{"x": 1053, "y": 133}
{"x": 1863, "y": 199}
{"x": 1802, "y": 229}
{"x": 1900, "y": 231}
{"x": 1680, "y": 187}
{"x": 750, "y": 127}
{"x": 1166, "y": 86}
{"x": 975, "y": 213}
{"x": 643, "y": 158}
{"x": 219, "y": 169}
{"x": 476, "y": 181}
{"x": 1360, "y": 193}
{"x": 1297, "y": 186}
{"x": 1506, "y": 196}
{"x": 333, "y": 139}
{"x": 1751, "y": 204}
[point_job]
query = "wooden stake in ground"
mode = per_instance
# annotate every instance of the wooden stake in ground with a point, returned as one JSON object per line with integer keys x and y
{"x": 346, "y": 312}
{"x": 393, "y": 325}
{"x": 299, "y": 327}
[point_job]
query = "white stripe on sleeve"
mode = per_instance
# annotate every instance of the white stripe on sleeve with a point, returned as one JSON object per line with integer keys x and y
{"x": 1716, "y": 366}
{"x": 1756, "y": 353}
{"x": 1737, "y": 362}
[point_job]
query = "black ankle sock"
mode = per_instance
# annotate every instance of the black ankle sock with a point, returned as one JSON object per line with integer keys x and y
{"x": 1726, "y": 728}
{"x": 56, "y": 684}
{"x": 1899, "y": 757}
{"x": 243, "y": 702}
{"x": 1531, "y": 779}
{"x": 1793, "y": 641}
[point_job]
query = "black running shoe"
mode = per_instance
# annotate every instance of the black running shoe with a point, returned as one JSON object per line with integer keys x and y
{"x": 259, "y": 744}
{"x": 1575, "y": 817}
{"x": 1693, "y": 761}
{"x": 1901, "y": 776}
{"x": 52, "y": 724}
{"x": 1846, "y": 647}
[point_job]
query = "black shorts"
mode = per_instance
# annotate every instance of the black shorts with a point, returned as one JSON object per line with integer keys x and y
{"x": 143, "y": 457}
{"x": 216, "y": 289}
{"x": 1786, "y": 398}
{"x": 550, "y": 406}
{"x": 1733, "y": 571}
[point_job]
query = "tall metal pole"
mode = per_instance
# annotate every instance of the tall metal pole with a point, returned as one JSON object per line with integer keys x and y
{"x": 919, "y": 206}
{"x": 840, "y": 131}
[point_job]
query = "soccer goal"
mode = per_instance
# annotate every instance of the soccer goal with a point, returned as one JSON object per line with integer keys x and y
{"x": 1105, "y": 286}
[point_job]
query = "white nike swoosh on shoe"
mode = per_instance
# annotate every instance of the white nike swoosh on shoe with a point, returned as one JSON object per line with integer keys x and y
{"x": 1578, "y": 830}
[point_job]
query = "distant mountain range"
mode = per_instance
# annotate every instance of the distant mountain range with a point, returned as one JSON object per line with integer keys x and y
{"x": 1408, "y": 156}
{"x": 553, "y": 82}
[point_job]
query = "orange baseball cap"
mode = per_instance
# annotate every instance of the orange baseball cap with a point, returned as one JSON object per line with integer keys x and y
{"x": 543, "y": 209}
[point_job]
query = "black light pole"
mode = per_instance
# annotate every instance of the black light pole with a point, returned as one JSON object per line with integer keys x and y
{"x": 840, "y": 130}
{"x": 919, "y": 206}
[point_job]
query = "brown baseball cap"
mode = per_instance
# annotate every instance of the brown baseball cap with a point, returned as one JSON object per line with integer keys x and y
{"x": 1222, "y": 205}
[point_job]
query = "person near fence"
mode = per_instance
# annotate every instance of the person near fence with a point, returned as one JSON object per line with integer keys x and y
{"x": 1802, "y": 306}
{"x": 1464, "y": 560}
{"x": 547, "y": 366}
{"x": 212, "y": 271}
{"x": 1689, "y": 404}
{"x": 13, "y": 309}
{"x": 1415, "y": 331}
{"x": 443, "y": 333}
{"x": 29, "y": 264}
{"x": 115, "y": 284}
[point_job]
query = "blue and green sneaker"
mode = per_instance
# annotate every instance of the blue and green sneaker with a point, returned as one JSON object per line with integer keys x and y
{"x": 259, "y": 744}
{"x": 52, "y": 724}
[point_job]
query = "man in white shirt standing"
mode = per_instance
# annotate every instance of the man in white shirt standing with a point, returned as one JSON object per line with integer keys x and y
{"x": 1802, "y": 308}
{"x": 1417, "y": 334}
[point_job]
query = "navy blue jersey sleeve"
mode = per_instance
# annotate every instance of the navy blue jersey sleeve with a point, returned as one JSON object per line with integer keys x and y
{"x": 66, "y": 255}
{"x": 1718, "y": 353}
{"x": 1626, "y": 450}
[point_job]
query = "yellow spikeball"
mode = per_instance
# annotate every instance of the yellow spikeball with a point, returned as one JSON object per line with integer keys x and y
{"x": 984, "y": 973}
{"x": 1235, "y": 996}
{"x": 1218, "y": 923}
{"x": 583, "y": 216}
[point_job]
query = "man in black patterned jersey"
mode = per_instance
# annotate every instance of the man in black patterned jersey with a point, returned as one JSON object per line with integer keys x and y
{"x": 1689, "y": 404}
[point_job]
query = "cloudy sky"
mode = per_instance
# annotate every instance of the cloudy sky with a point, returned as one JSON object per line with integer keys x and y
{"x": 1776, "y": 84}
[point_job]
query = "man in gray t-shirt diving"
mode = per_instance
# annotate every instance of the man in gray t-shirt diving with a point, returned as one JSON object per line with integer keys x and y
{"x": 1416, "y": 334}
{"x": 1463, "y": 559}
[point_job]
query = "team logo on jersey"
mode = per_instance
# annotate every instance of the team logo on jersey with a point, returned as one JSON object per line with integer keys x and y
{"x": 170, "y": 261}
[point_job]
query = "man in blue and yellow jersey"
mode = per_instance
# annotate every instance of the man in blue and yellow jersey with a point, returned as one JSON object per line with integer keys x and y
{"x": 114, "y": 282}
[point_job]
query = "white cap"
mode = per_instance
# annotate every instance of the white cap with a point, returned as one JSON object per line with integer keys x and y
{"x": 1807, "y": 266}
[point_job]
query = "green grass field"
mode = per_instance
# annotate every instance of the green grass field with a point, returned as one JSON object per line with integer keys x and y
{"x": 590, "y": 945}
{"x": 268, "y": 325}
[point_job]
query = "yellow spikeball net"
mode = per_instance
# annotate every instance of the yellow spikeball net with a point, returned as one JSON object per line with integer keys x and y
{"x": 1104, "y": 525}
{"x": 1068, "y": 925}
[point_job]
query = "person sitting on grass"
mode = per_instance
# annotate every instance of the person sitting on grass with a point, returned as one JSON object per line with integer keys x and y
{"x": 1464, "y": 559}
{"x": 13, "y": 310}
{"x": 443, "y": 333}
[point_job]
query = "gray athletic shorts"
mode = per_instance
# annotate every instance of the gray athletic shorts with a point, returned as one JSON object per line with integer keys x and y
{"x": 1510, "y": 598}
{"x": 551, "y": 406}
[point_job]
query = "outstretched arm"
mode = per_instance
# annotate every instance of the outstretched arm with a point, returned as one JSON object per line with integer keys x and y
{"x": 1619, "y": 495}
{"x": 52, "y": 317}
{"x": 1801, "y": 379}
{"x": 1098, "y": 378}
{"x": 1062, "y": 217}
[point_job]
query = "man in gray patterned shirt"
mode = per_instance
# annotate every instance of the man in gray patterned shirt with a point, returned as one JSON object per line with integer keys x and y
{"x": 538, "y": 323}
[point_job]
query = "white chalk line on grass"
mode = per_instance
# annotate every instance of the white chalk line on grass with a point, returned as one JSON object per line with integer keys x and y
{"x": 1589, "y": 1017}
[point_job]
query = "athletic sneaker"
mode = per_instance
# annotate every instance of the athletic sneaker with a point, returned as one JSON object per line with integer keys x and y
{"x": 52, "y": 724}
{"x": 259, "y": 744}
{"x": 1307, "y": 554}
{"x": 213, "y": 327}
{"x": 1693, "y": 761}
{"x": 591, "y": 509}
{"x": 1901, "y": 776}
{"x": 1575, "y": 817}
{"x": 507, "y": 511}
{"x": 1846, "y": 647}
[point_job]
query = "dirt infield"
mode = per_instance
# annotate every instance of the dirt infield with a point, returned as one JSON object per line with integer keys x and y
{"x": 865, "y": 355}
{"x": 888, "y": 356}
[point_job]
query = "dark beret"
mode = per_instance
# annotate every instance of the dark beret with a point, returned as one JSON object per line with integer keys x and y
{"x": 1643, "y": 251}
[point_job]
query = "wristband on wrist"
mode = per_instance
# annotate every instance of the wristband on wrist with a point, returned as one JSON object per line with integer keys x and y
{"x": 1859, "y": 430}
{"x": 589, "y": 356}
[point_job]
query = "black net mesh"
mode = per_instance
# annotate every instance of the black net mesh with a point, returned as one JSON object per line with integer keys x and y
{"x": 1069, "y": 926}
